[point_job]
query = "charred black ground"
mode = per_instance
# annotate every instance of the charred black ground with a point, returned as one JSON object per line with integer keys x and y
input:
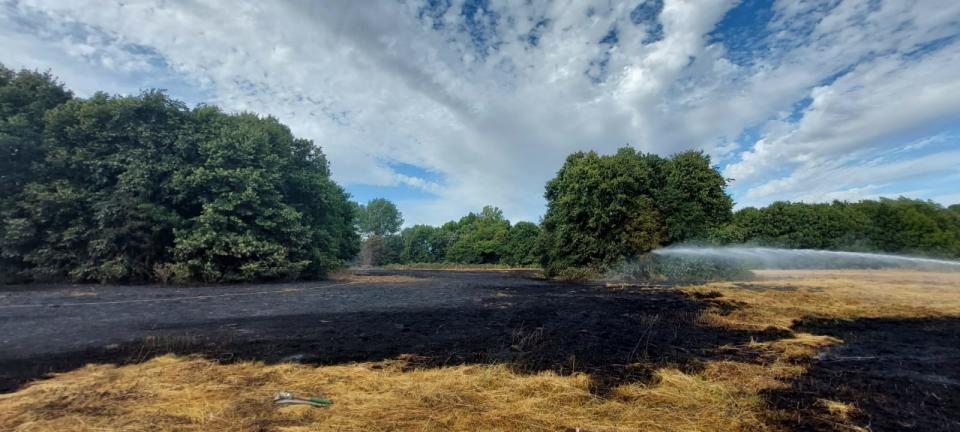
{"x": 445, "y": 318}
{"x": 902, "y": 374}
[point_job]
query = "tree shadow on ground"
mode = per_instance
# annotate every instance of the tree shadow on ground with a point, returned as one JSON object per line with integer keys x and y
{"x": 901, "y": 374}
{"x": 617, "y": 336}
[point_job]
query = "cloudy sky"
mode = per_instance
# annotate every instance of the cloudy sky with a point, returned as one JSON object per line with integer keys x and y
{"x": 447, "y": 105}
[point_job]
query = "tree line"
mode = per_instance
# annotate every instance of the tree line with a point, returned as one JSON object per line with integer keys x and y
{"x": 601, "y": 209}
{"x": 899, "y": 225}
{"x": 477, "y": 238}
{"x": 141, "y": 188}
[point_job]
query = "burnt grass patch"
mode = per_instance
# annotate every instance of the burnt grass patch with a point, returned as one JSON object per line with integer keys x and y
{"x": 617, "y": 336}
{"x": 900, "y": 374}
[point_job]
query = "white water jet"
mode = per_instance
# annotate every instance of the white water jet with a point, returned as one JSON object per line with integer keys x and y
{"x": 767, "y": 257}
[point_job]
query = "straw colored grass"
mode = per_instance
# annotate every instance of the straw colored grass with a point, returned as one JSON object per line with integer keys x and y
{"x": 170, "y": 393}
{"x": 779, "y": 297}
{"x": 193, "y": 394}
{"x": 349, "y": 276}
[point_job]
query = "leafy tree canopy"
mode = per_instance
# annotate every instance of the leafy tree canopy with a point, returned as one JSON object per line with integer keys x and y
{"x": 602, "y": 209}
{"x": 143, "y": 188}
{"x": 889, "y": 225}
{"x": 379, "y": 217}
{"x": 485, "y": 237}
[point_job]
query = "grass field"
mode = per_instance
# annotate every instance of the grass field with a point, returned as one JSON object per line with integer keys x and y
{"x": 191, "y": 393}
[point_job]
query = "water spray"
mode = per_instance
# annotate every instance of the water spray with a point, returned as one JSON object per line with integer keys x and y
{"x": 773, "y": 258}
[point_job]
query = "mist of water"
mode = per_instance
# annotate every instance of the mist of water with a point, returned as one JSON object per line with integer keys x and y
{"x": 775, "y": 258}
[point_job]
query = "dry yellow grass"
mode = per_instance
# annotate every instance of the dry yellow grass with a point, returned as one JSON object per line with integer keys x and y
{"x": 349, "y": 276}
{"x": 170, "y": 393}
{"x": 778, "y": 297}
{"x": 192, "y": 394}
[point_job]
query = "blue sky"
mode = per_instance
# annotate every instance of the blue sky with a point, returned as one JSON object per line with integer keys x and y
{"x": 445, "y": 106}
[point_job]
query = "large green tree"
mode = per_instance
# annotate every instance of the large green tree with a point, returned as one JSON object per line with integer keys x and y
{"x": 603, "y": 209}
{"x": 137, "y": 188}
{"x": 521, "y": 248}
{"x": 107, "y": 167}
{"x": 379, "y": 216}
{"x": 481, "y": 238}
{"x": 691, "y": 196}
{"x": 378, "y": 221}
{"x": 25, "y": 98}
{"x": 245, "y": 223}
{"x": 421, "y": 244}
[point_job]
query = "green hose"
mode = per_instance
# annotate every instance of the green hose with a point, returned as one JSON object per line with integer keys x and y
{"x": 325, "y": 402}
{"x": 287, "y": 398}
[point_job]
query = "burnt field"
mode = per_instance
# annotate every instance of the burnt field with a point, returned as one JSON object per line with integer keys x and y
{"x": 896, "y": 374}
{"x": 440, "y": 318}
{"x": 902, "y": 373}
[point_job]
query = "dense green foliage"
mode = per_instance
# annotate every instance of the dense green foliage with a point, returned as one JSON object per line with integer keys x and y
{"x": 25, "y": 98}
{"x": 521, "y": 247}
{"x": 889, "y": 225}
{"x": 378, "y": 217}
{"x": 378, "y": 222}
{"x": 480, "y": 238}
{"x": 605, "y": 209}
{"x": 143, "y": 188}
{"x": 477, "y": 238}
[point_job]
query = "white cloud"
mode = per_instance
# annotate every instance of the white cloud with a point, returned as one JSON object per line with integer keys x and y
{"x": 375, "y": 82}
{"x": 876, "y": 99}
{"x": 828, "y": 180}
{"x": 895, "y": 89}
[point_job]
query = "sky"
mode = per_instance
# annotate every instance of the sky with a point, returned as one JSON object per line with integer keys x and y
{"x": 444, "y": 106}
